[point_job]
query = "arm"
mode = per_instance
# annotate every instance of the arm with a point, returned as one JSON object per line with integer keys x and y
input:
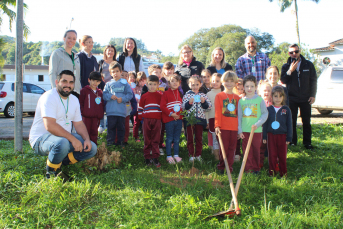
{"x": 239, "y": 68}
{"x": 141, "y": 67}
{"x": 268, "y": 63}
{"x": 240, "y": 116}
{"x": 207, "y": 105}
{"x": 140, "y": 108}
{"x": 264, "y": 114}
{"x": 128, "y": 95}
{"x": 265, "y": 127}
{"x": 144, "y": 90}
{"x": 107, "y": 92}
{"x": 313, "y": 81}
{"x": 82, "y": 131}
{"x": 289, "y": 126}
{"x": 82, "y": 100}
{"x": 163, "y": 105}
{"x": 53, "y": 63}
{"x": 133, "y": 102}
{"x": 218, "y": 112}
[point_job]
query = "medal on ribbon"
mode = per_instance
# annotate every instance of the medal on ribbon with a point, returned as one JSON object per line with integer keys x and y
{"x": 98, "y": 100}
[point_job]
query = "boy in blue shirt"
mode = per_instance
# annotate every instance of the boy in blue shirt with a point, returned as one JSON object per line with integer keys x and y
{"x": 117, "y": 93}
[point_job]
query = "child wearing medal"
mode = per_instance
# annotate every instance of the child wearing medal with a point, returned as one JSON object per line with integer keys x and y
{"x": 278, "y": 130}
{"x": 252, "y": 113}
{"x": 226, "y": 118}
{"x": 171, "y": 102}
{"x": 92, "y": 105}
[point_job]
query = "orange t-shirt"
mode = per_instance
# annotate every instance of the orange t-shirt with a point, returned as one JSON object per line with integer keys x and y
{"x": 226, "y": 111}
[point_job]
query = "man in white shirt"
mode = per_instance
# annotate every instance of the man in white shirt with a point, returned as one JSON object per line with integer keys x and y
{"x": 50, "y": 135}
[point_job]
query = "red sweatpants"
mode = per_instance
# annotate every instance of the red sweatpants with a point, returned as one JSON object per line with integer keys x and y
{"x": 229, "y": 138}
{"x": 162, "y": 134}
{"x": 92, "y": 125}
{"x": 136, "y": 126}
{"x": 152, "y": 134}
{"x": 263, "y": 148}
{"x": 197, "y": 131}
{"x": 253, "y": 160}
{"x": 277, "y": 148}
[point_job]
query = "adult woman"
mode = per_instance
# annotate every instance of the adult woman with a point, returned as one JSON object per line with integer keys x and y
{"x": 130, "y": 59}
{"x": 110, "y": 54}
{"x": 187, "y": 66}
{"x": 88, "y": 62}
{"x": 218, "y": 64}
{"x": 65, "y": 59}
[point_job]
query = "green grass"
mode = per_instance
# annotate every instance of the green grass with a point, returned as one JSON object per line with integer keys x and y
{"x": 134, "y": 196}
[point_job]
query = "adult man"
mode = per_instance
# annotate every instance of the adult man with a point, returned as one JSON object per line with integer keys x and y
{"x": 50, "y": 134}
{"x": 252, "y": 62}
{"x": 300, "y": 77}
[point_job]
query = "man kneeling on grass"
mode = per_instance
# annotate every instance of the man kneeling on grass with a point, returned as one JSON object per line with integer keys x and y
{"x": 50, "y": 135}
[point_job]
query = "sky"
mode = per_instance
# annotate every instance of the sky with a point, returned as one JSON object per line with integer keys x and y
{"x": 164, "y": 24}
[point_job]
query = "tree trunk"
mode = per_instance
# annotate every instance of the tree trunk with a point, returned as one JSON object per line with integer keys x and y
{"x": 297, "y": 22}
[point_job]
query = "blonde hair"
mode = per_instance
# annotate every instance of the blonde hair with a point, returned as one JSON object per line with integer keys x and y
{"x": 229, "y": 75}
{"x": 83, "y": 39}
{"x": 222, "y": 63}
{"x": 239, "y": 82}
{"x": 182, "y": 48}
{"x": 153, "y": 67}
{"x": 261, "y": 85}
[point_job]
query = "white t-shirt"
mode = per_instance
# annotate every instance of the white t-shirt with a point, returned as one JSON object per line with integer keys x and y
{"x": 50, "y": 105}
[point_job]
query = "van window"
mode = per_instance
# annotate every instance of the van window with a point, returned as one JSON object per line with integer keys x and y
{"x": 337, "y": 76}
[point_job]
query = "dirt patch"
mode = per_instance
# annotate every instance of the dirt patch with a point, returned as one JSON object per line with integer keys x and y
{"x": 104, "y": 157}
{"x": 336, "y": 117}
{"x": 192, "y": 172}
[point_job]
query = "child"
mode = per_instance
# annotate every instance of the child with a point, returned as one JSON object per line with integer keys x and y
{"x": 278, "y": 131}
{"x": 206, "y": 81}
{"x": 171, "y": 103}
{"x": 239, "y": 90}
{"x": 132, "y": 79}
{"x": 273, "y": 77}
{"x": 226, "y": 120}
{"x": 252, "y": 113}
{"x": 156, "y": 70}
{"x": 215, "y": 84}
{"x": 92, "y": 105}
{"x": 117, "y": 93}
{"x": 140, "y": 82}
{"x": 149, "y": 109}
{"x": 265, "y": 91}
{"x": 169, "y": 69}
{"x": 195, "y": 100}
{"x": 125, "y": 75}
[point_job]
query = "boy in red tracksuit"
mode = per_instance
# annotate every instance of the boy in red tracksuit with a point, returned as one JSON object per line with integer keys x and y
{"x": 149, "y": 109}
{"x": 92, "y": 105}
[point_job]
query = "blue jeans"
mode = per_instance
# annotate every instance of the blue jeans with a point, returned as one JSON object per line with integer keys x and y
{"x": 173, "y": 131}
{"x": 57, "y": 148}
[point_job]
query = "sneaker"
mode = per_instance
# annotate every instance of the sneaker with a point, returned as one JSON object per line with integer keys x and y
{"x": 199, "y": 158}
{"x": 161, "y": 151}
{"x": 191, "y": 159}
{"x": 156, "y": 162}
{"x": 177, "y": 159}
{"x": 148, "y": 162}
{"x": 310, "y": 147}
{"x": 237, "y": 158}
{"x": 170, "y": 160}
{"x": 101, "y": 129}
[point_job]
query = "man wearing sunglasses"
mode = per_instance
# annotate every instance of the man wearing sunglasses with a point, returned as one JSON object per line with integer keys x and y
{"x": 300, "y": 77}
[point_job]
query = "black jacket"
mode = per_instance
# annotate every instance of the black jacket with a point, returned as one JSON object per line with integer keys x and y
{"x": 300, "y": 86}
{"x": 136, "y": 60}
{"x": 87, "y": 66}
{"x": 195, "y": 68}
{"x": 214, "y": 70}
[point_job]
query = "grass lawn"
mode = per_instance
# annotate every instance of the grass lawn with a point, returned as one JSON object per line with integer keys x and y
{"x": 134, "y": 196}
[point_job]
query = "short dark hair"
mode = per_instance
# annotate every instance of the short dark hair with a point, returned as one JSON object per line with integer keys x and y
{"x": 65, "y": 72}
{"x": 249, "y": 78}
{"x": 279, "y": 89}
{"x": 293, "y": 46}
{"x": 115, "y": 64}
{"x": 95, "y": 76}
{"x": 70, "y": 30}
{"x": 153, "y": 78}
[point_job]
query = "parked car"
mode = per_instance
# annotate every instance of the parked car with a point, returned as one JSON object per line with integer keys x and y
{"x": 31, "y": 94}
{"x": 330, "y": 87}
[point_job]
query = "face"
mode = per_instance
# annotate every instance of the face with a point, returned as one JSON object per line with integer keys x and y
{"x": 152, "y": 86}
{"x": 174, "y": 84}
{"x": 110, "y": 53}
{"x": 249, "y": 88}
{"x": 88, "y": 44}
{"x": 70, "y": 40}
{"x": 250, "y": 44}
{"x": 194, "y": 85}
{"x": 132, "y": 78}
{"x": 125, "y": 75}
{"x": 272, "y": 76}
{"x": 292, "y": 52}
{"x": 277, "y": 99}
{"x": 94, "y": 83}
{"x": 215, "y": 83}
{"x": 158, "y": 73}
{"x": 116, "y": 74}
{"x": 240, "y": 89}
{"x": 218, "y": 56}
{"x": 206, "y": 78}
{"x": 65, "y": 86}
{"x": 130, "y": 45}
{"x": 142, "y": 83}
{"x": 266, "y": 92}
{"x": 187, "y": 54}
{"x": 168, "y": 72}
{"x": 229, "y": 85}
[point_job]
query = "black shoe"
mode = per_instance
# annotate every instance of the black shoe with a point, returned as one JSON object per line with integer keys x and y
{"x": 156, "y": 163}
{"x": 50, "y": 174}
{"x": 63, "y": 176}
{"x": 310, "y": 147}
{"x": 292, "y": 144}
{"x": 221, "y": 171}
{"x": 148, "y": 162}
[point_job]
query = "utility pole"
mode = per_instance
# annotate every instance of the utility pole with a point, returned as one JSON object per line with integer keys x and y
{"x": 18, "y": 118}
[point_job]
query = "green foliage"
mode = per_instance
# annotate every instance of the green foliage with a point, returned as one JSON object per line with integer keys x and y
{"x": 171, "y": 58}
{"x": 190, "y": 117}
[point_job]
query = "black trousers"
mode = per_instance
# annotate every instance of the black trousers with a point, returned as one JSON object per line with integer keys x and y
{"x": 305, "y": 110}
{"x": 116, "y": 126}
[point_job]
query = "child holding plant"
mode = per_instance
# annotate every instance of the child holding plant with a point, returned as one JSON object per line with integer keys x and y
{"x": 278, "y": 131}
{"x": 195, "y": 101}
{"x": 226, "y": 118}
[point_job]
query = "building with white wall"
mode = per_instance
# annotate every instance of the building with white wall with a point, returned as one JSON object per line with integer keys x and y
{"x": 333, "y": 54}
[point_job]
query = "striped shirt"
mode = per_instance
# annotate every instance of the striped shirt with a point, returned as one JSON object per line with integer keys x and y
{"x": 149, "y": 106}
{"x": 244, "y": 65}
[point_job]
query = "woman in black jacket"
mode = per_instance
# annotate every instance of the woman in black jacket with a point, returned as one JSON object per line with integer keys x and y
{"x": 129, "y": 59}
{"x": 187, "y": 67}
{"x": 218, "y": 64}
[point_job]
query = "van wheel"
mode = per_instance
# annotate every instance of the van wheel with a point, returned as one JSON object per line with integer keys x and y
{"x": 9, "y": 110}
{"x": 324, "y": 112}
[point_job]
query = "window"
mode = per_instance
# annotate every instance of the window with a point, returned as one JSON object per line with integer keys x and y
{"x": 337, "y": 76}
{"x": 40, "y": 78}
{"x": 24, "y": 87}
{"x": 35, "y": 89}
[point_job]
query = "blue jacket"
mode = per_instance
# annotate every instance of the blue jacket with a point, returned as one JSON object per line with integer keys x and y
{"x": 121, "y": 90}
{"x": 284, "y": 117}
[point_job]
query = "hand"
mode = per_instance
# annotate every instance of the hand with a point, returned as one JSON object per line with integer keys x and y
{"x": 311, "y": 100}
{"x": 217, "y": 130}
{"x": 119, "y": 100}
{"x": 114, "y": 97}
{"x": 175, "y": 116}
{"x": 77, "y": 145}
{"x": 191, "y": 101}
{"x": 87, "y": 145}
{"x": 264, "y": 141}
{"x": 253, "y": 127}
{"x": 294, "y": 65}
{"x": 240, "y": 136}
{"x": 202, "y": 99}
{"x": 287, "y": 143}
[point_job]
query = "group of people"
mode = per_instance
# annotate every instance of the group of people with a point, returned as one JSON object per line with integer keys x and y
{"x": 227, "y": 103}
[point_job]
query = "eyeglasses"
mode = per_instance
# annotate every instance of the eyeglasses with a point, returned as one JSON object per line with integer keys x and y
{"x": 294, "y": 52}
{"x": 187, "y": 52}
